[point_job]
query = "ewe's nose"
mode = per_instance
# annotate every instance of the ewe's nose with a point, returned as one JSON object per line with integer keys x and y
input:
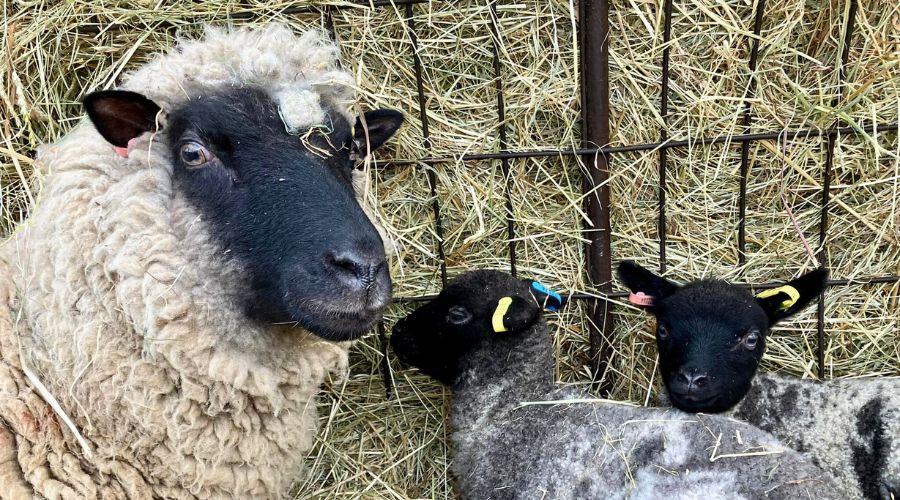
{"x": 359, "y": 270}
{"x": 692, "y": 380}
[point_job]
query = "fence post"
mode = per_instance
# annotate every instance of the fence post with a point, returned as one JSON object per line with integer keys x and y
{"x": 594, "y": 38}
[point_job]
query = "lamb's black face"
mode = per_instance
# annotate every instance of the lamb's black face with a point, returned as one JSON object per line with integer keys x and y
{"x": 711, "y": 337}
{"x": 438, "y": 335}
{"x": 711, "y": 334}
{"x": 281, "y": 205}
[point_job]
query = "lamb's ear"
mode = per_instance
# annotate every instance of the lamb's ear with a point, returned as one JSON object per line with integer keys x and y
{"x": 514, "y": 314}
{"x": 786, "y": 300}
{"x": 640, "y": 280}
{"x": 381, "y": 125}
{"x": 120, "y": 115}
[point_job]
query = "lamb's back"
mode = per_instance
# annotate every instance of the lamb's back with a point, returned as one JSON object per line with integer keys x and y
{"x": 576, "y": 448}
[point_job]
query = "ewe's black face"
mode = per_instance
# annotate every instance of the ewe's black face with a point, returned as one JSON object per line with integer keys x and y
{"x": 282, "y": 206}
{"x": 711, "y": 335}
{"x": 437, "y": 336}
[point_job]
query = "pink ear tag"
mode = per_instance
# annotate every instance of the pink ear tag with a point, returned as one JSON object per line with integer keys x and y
{"x": 640, "y": 299}
{"x": 123, "y": 152}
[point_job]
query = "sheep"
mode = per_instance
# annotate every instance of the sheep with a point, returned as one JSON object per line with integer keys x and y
{"x": 516, "y": 435}
{"x": 196, "y": 266}
{"x": 851, "y": 428}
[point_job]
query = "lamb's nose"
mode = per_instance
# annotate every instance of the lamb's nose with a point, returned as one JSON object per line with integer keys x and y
{"x": 693, "y": 380}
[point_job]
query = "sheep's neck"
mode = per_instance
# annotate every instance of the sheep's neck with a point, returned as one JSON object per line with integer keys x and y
{"x": 502, "y": 374}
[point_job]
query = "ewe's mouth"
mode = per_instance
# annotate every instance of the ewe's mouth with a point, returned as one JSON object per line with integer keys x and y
{"x": 337, "y": 324}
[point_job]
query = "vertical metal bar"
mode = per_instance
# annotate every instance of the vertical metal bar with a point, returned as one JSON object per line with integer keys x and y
{"x": 826, "y": 181}
{"x": 664, "y": 135}
{"x": 594, "y": 19}
{"x": 501, "y": 112}
{"x": 423, "y": 118}
{"x": 329, "y": 22}
{"x": 745, "y": 147}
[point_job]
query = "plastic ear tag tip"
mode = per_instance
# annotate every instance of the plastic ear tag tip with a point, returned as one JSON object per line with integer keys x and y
{"x": 640, "y": 299}
{"x": 552, "y": 300}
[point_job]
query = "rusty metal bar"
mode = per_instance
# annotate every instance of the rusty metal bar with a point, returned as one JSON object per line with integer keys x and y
{"x": 609, "y": 150}
{"x": 423, "y": 118}
{"x": 501, "y": 116}
{"x": 745, "y": 146}
{"x": 594, "y": 19}
{"x": 826, "y": 183}
{"x": 664, "y": 134}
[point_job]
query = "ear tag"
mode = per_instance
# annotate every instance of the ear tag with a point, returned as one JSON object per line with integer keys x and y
{"x": 123, "y": 152}
{"x": 551, "y": 300}
{"x": 641, "y": 299}
{"x": 787, "y": 289}
{"x": 497, "y": 320}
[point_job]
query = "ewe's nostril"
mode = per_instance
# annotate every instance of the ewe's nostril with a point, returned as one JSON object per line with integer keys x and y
{"x": 361, "y": 269}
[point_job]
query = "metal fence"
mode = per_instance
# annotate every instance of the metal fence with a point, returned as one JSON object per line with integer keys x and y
{"x": 599, "y": 158}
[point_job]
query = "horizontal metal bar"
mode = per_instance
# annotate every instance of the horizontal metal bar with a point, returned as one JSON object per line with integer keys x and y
{"x": 705, "y": 141}
{"x": 874, "y": 280}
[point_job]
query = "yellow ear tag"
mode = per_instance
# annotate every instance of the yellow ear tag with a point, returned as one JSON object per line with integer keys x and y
{"x": 788, "y": 289}
{"x": 497, "y": 319}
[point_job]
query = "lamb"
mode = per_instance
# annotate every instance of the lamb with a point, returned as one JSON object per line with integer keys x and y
{"x": 851, "y": 428}
{"x": 516, "y": 435}
{"x": 196, "y": 266}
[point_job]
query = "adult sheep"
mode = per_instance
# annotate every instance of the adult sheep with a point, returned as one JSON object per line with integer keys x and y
{"x": 183, "y": 300}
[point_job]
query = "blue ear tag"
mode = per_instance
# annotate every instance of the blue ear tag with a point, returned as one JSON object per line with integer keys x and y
{"x": 551, "y": 300}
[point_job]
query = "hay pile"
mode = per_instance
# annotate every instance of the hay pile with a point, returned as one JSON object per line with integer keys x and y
{"x": 54, "y": 52}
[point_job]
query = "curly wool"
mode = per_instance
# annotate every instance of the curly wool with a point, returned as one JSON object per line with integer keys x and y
{"x": 123, "y": 307}
{"x": 850, "y": 427}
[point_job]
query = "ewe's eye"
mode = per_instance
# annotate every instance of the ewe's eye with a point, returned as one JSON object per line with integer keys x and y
{"x": 193, "y": 154}
{"x": 661, "y": 331}
{"x": 458, "y": 315}
{"x": 750, "y": 340}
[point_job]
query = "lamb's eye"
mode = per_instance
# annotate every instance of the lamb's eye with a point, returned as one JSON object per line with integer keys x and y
{"x": 458, "y": 315}
{"x": 662, "y": 331}
{"x": 193, "y": 154}
{"x": 750, "y": 340}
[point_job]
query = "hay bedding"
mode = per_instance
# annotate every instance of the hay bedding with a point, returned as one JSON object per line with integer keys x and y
{"x": 395, "y": 448}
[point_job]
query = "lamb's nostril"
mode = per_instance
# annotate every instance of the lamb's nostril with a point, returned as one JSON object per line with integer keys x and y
{"x": 690, "y": 379}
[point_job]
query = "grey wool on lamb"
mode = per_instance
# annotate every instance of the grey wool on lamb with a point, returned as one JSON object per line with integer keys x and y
{"x": 850, "y": 427}
{"x": 516, "y": 435}
{"x": 117, "y": 302}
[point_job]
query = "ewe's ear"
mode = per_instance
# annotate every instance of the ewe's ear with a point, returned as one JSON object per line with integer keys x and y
{"x": 120, "y": 115}
{"x": 640, "y": 280}
{"x": 514, "y": 314}
{"x": 784, "y": 301}
{"x": 381, "y": 125}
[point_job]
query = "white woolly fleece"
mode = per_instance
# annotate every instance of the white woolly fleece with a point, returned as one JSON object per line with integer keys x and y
{"x": 113, "y": 294}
